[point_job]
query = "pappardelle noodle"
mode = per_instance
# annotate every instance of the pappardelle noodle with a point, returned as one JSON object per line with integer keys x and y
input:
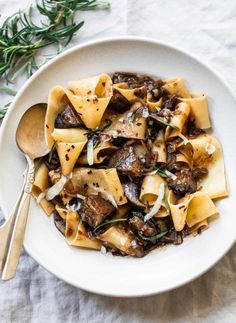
{"x": 132, "y": 164}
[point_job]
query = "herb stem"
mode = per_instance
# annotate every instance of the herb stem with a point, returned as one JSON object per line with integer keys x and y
{"x": 109, "y": 222}
{"x": 153, "y": 238}
{"x": 160, "y": 172}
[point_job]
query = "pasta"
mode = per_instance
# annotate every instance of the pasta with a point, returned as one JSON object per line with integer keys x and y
{"x": 131, "y": 167}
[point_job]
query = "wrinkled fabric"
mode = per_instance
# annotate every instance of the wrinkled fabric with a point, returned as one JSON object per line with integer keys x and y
{"x": 207, "y": 29}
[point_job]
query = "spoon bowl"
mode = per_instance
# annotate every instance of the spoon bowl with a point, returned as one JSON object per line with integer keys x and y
{"x": 30, "y": 132}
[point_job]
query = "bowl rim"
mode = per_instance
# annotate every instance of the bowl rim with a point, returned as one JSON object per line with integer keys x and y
{"x": 54, "y": 60}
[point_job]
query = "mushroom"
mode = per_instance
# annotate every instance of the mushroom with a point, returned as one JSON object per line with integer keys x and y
{"x": 132, "y": 194}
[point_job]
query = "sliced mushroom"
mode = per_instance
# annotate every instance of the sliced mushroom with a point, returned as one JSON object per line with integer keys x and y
{"x": 132, "y": 193}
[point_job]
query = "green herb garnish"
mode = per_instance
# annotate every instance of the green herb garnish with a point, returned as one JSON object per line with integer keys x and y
{"x": 21, "y": 38}
{"x": 117, "y": 163}
{"x": 160, "y": 172}
{"x": 109, "y": 222}
{"x": 3, "y": 110}
{"x": 154, "y": 238}
{"x": 7, "y": 90}
{"x": 96, "y": 143}
{"x": 51, "y": 153}
{"x": 167, "y": 124}
{"x": 93, "y": 133}
{"x": 163, "y": 122}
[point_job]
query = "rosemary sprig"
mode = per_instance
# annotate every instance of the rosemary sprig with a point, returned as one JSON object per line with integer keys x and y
{"x": 10, "y": 92}
{"x": 153, "y": 238}
{"x": 3, "y": 110}
{"x": 109, "y": 222}
{"x": 94, "y": 133}
{"x": 21, "y": 38}
{"x": 7, "y": 90}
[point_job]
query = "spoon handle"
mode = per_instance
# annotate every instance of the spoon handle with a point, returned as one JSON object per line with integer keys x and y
{"x": 17, "y": 236}
{"x": 6, "y": 230}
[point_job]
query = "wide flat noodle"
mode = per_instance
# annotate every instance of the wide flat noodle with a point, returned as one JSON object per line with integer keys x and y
{"x": 117, "y": 237}
{"x": 178, "y": 120}
{"x": 128, "y": 125}
{"x": 69, "y": 145}
{"x": 76, "y": 234}
{"x": 61, "y": 211}
{"x": 40, "y": 185}
{"x": 199, "y": 110}
{"x": 99, "y": 85}
{"x": 104, "y": 181}
{"x": 90, "y": 98}
{"x": 102, "y": 152}
{"x": 123, "y": 89}
{"x": 150, "y": 188}
{"x": 154, "y": 105}
{"x": 68, "y": 154}
{"x": 181, "y": 159}
{"x": 199, "y": 227}
{"x": 176, "y": 86}
{"x": 200, "y": 208}
{"x": 57, "y": 102}
{"x": 214, "y": 184}
{"x": 159, "y": 147}
{"x": 69, "y": 135}
{"x": 149, "y": 192}
{"x": 191, "y": 209}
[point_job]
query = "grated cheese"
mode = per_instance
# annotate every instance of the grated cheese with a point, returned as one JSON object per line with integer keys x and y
{"x": 157, "y": 205}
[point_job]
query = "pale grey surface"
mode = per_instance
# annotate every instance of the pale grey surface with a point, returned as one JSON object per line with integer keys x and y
{"x": 206, "y": 28}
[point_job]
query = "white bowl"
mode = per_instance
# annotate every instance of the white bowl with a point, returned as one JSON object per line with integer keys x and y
{"x": 162, "y": 269}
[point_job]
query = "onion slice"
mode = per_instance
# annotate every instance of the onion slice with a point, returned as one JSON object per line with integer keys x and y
{"x": 56, "y": 188}
{"x": 103, "y": 250}
{"x": 185, "y": 140}
{"x": 80, "y": 196}
{"x": 90, "y": 152}
{"x": 210, "y": 149}
{"x": 157, "y": 205}
{"x": 169, "y": 174}
{"x": 145, "y": 113}
{"x": 41, "y": 197}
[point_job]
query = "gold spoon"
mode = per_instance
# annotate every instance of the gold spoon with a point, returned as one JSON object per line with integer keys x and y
{"x": 30, "y": 140}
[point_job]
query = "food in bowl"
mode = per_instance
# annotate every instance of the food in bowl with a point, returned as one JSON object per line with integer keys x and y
{"x": 132, "y": 165}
